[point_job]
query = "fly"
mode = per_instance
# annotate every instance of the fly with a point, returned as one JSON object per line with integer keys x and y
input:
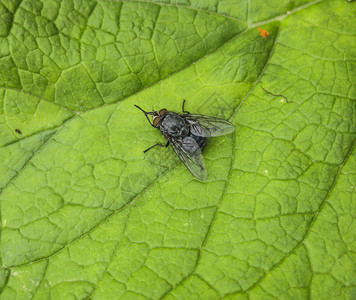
{"x": 188, "y": 133}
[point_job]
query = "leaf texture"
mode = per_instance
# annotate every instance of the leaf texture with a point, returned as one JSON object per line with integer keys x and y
{"x": 85, "y": 214}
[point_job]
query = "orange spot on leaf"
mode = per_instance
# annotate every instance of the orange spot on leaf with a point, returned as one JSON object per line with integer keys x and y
{"x": 263, "y": 32}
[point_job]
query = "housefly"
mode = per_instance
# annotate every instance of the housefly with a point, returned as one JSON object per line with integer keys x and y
{"x": 188, "y": 133}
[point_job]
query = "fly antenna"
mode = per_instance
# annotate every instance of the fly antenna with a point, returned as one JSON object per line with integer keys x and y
{"x": 284, "y": 98}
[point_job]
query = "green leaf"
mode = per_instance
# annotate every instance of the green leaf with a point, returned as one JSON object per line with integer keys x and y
{"x": 85, "y": 214}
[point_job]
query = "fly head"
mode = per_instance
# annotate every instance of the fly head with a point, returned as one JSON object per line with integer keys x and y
{"x": 157, "y": 116}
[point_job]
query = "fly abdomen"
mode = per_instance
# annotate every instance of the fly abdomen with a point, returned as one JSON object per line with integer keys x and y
{"x": 201, "y": 141}
{"x": 189, "y": 144}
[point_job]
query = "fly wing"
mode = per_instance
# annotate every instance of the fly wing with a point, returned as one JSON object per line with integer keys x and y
{"x": 206, "y": 126}
{"x": 190, "y": 154}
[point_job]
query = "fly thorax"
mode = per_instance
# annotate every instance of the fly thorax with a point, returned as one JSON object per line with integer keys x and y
{"x": 174, "y": 125}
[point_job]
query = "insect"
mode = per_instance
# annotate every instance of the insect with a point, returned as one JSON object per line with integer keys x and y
{"x": 18, "y": 131}
{"x": 188, "y": 133}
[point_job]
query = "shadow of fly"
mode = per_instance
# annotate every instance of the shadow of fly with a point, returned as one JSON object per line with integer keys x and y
{"x": 188, "y": 133}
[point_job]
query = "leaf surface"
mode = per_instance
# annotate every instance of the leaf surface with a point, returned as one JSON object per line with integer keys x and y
{"x": 85, "y": 214}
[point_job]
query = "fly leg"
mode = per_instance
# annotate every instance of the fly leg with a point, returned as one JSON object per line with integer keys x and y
{"x": 184, "y": 111}
{"x": 158, "y": 144}
{"x": 147, "y": 113}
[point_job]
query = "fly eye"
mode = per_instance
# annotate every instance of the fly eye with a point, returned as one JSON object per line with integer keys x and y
{"x": 156, "y": 121}
{"x": 162, "y": 112}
